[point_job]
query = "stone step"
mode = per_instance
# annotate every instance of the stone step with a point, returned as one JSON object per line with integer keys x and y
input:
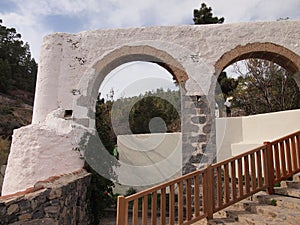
{"x": 221, "y": 221}
{"x": 235, "y": 213}
{"x": 274, "y": 212}
{"x": 254, "y": 219}
{"x": 261, "y": 209}
{"x": 296, "y": 177}
{"x": 292, "y": 192}
{"x": 290, "y": 184}
{"x": 262, "y": 217}
{"x": 279, "y": 201}
{"x": 245, "y": 217}
{"x": 282, "y": 208}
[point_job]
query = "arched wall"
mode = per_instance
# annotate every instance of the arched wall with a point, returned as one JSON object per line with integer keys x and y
{"x": 122, "y": 55}
{"x": 104, "y": 65}
{"x": 72, "y": 66}
{"x": 269, "y": 51}
{"x": 236, "y": 135}
{"x": 278, "y": 54}
{"x": 195, "y": 121}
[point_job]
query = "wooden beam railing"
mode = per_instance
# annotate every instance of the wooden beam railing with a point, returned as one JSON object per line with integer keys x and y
{"x": 284, "y": 159}
{"x": 199, "y": 194}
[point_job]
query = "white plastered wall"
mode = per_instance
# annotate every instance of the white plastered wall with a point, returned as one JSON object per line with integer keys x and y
{"x": 67, "y": 74}
{"x": 149, "y": 149}
{"x": 236, "y": 135}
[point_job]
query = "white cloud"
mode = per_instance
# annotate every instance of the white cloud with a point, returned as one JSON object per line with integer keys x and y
{"x": 255, "y": 10}
{"x": 30, "y": 17}
{"x": 31, "y": 31}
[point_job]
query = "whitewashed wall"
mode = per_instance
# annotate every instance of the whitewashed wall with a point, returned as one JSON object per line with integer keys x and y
{"x": 72, "y": 67}
{"x": 238, "y": 134}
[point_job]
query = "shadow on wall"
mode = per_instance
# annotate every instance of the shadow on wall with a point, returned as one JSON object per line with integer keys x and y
{"x": 160, "y": 152}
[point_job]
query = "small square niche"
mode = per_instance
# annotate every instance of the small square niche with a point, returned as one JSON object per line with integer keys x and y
{"x": 68, "y": 114}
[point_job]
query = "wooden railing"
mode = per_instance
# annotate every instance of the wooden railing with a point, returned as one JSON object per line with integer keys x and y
{"x": 199, "y": 194}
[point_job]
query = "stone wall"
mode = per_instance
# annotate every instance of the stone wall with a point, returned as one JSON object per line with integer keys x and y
{"x": 57, "y": 200}
{"x": 197, "y": 136}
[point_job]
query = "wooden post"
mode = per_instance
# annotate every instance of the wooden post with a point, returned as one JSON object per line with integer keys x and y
{"x": 208, "y": 192}
{"x": 180, "y": 202}
{"x": 121, "y": 211}
{"x": 270, "y": 168}
{"x": 135, "y": 212}
{"x": 154, "y": 208}
{"x": 188, "y": 200}
{"x": 145, "y": 210}
{"x": 163, "y": 201}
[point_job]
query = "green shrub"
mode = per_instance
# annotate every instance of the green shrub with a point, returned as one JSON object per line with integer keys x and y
{"x": 100, "y": 196}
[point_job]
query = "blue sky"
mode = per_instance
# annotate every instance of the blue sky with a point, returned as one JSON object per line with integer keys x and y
{"x": 34, "y": 19}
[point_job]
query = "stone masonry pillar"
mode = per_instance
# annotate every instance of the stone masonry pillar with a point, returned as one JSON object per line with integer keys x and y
{"x": 197, "y": 124}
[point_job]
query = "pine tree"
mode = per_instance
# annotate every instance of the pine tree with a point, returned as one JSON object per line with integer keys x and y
{"x": 204, "y": 15}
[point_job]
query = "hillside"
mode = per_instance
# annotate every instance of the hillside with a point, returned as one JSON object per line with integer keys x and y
{"x": 17, "y": 83}
{"x": 15, "y": 112}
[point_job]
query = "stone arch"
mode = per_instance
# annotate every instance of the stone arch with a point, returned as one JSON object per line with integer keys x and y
{"x": 145, "y": 53}
{"x": 269, "y": 51}
{"x": 122, "y": 55}
{"x": 279, "y": 54}
{"x": 125, "y": 54}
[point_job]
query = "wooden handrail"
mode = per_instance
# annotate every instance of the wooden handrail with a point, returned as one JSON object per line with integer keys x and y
{"x": 199, "y": 194}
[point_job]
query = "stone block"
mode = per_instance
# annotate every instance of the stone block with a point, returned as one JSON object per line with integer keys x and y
{"x": 196, "y": 158}
{"x": 55, "y": 193}
{"x": 198, "y": 138}
{"x": 23, "y": 204}
{"x": 2, "y": 210}
{"x": 207, "y": 129}
{"x": 188, "y": 168}
{"x": 191, "y": 128}
{"x": 38, "y": 213}
{"x": 12, "y": 209}
{"x": 26, "y": 216}
{"x": 44, "y": 221}
{"x": 52, "y": 211}
{"x": 199, "y": 119}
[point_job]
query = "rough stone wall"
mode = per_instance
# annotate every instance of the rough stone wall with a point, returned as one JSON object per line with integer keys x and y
{"x": 196, "y": 133}
{"x": 57, "y": 200}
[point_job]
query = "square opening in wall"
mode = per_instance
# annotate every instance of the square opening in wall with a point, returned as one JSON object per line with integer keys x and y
{"x": 68, "y": 113}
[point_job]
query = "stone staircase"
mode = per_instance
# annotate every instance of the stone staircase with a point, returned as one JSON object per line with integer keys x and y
{"x": 282, "y": 208}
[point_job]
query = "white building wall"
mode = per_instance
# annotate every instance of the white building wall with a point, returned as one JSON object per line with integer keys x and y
{"x": 238, "y": 134}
